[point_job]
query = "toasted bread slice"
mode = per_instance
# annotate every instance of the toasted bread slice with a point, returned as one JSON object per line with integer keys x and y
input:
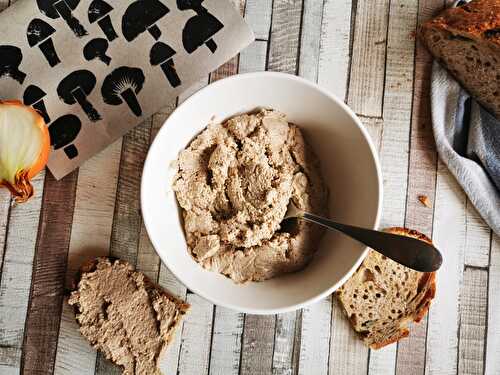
{"x": 383, "y": 297}
{"x": 466, "y": 41}
{"x": 124, "y": 315}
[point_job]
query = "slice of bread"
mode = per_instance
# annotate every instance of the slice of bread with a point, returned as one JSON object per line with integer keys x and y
{"x": 466, "y": 41}
{"x": 124, "y": 315}
{"x": 383, "y": 297}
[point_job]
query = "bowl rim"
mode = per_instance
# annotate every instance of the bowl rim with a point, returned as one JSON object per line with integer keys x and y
{"x": 373, "y": 151}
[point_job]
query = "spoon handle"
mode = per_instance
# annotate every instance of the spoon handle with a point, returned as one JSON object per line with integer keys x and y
{"x": 409, "y": 252}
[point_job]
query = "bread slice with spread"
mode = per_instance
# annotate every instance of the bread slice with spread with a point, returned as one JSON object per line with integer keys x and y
{"x": 124, "y": 315}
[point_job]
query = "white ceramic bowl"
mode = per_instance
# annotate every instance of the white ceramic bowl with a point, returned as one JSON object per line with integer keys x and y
{"x": 349, "y": 165}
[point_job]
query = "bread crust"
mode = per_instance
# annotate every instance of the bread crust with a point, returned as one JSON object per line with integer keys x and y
{"x": 378, "y": 345}
{"x": 428, "y": 279}
{"x": 466, "y": 28}
{"x": 476, "y": 19}
{"x": 426, "y": 284}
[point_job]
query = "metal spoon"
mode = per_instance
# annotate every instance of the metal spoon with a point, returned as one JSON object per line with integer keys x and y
{"x": 409, "y": 252}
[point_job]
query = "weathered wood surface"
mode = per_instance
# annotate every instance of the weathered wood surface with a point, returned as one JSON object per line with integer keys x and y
{"x": 366, "y": 53}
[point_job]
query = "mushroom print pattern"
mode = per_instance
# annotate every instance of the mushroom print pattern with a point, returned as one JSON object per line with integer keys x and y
{"x": 142, "y": 15}
{"x": 161, "y": 54}
{"x": 123, "y": 84}
{"x": 39, "y": 34}
{"x": 99, "y": 12}
{"x": 199, "y": 29}
{"x": 10, "y": 59}
{"x": 62, "y": 8}
{"x": 33, "y": 96}
{"x": 63, "y": 131}
{"x": 96, "y": 49}
{"x": 75, "y": 88}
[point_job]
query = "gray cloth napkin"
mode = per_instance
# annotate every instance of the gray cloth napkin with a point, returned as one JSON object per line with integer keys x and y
{"x": 468, "y": 142}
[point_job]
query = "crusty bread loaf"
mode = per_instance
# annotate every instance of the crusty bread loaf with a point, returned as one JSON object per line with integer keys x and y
{"x": 383, "y": 297}
{"x": 123, "y": 314}
{"x": 466, "y": 41}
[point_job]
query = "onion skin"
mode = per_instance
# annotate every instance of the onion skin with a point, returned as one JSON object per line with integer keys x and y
{"x": 21, "y": 188}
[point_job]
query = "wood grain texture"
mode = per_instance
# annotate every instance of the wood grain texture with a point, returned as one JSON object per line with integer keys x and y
{"x": 421, "y": 181}
{"x": 226, "y": 342}
{"x": 397, "y": 111}
{"x": 335, "y": 37}
{"x": 229, "y": 68}
{"x": 492, "y": 358}
{"x": 258, "y": 343}
{"x": 284, "y": 39}
{"x": 5, "y": 201}
{"x": 394, "y": 147}
{"x": 127, "y": 220}
{"x": 315, "y": 338}
{"x": 478, "y": 238}
{"x": 348, "y": 354}
{"x": 258, "y": 15}
{"x": 228, "y": 325}
{"x": 395, "y": 138}
{"x": 285, "y": 36}
{"x": 90, "y": 237}
{"x": 150, "y": 264}
{"x": 196, "y": 337}
{"x": 310, "y": 38}
{"x": 16, "y": 276}
{"x": 473, "y": 309}
{"x": 253, "y": 58}
{"x": 449, "y": 236}
{"x": 323, "y": 50}
{"x": 49, "y": 270}
{"x": 74, "y": 353}
{"x": 167, "y": 280}
{"x": 375, "y": 127}
{"x": 368, "y": 57}
{"x": 284, "y": 341}
{"x": 148, "y": 260}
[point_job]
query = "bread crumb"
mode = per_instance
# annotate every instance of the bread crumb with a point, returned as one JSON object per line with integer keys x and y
{"x": 424, "y": 200}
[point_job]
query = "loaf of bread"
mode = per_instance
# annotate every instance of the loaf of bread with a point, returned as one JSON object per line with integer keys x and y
{"x": 124, "y": 315}
{"x": 466, "y": 41}
{"x": 383, "y": 297}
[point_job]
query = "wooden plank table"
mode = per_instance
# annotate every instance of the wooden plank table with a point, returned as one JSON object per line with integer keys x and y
{"x": 365, "y": 52}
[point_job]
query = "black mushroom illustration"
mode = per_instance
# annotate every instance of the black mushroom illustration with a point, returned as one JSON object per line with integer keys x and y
{"x": 99, "y": 12}
{"x": 63, "y": 131}
{"x": 96, "y": 49}
{"x": 10, "y": 59}
{"x": 142, "y": 15}
{"x": 161, "y": 54}
{"x": 123, "y": 84}
{"x": 33, "y": 96}
{"x": 39, "y": 34}
{"x": 199, "y": 29}
{"x": 63, "y": 8}
{"x": 75, "y": 88}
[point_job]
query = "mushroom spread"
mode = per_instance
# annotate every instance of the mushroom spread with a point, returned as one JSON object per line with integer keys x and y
{"x": 234, "y": 183}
